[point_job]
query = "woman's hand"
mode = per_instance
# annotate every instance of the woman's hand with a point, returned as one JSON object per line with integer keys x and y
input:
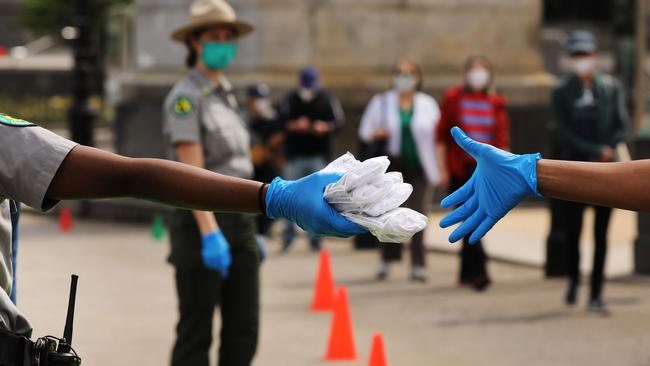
{"x": 215, "y": 252}
{"x": 321, "y": 128}
{"x": 444, "y": 179}
{"x": 299, "y": 125}
{"x": 607, "y": 154}
{"x": 380, "y": 134}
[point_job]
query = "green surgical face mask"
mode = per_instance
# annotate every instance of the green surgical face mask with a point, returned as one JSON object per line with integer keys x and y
{"x": 218, "y": 55}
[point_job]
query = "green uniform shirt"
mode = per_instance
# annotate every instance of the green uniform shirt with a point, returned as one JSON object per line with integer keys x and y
{"x": 409, "y": 152}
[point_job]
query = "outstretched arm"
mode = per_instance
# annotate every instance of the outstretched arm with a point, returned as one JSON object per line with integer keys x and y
{"x": 623, "y": 185}
{"x": 501, "y": 180}
{"x": 89, "y": 173}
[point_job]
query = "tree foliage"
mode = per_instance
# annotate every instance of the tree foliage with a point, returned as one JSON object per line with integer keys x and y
{"x": 49, "y": 16}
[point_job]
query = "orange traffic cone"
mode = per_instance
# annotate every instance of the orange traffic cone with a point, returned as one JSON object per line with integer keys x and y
{"x": 377, "y": 353}
{"x": 324, "y": 286}
{"x": 341, "y": 342}
{"x": 65, "y": 219}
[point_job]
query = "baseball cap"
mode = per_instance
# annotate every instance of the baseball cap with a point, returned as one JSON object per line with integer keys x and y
{"x": 309, "y": 78}
{"x": 257, "y": 91}
{"x": 581, "y": 41}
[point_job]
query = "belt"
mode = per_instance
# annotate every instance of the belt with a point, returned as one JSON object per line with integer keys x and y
{"x": 15, "y": 350}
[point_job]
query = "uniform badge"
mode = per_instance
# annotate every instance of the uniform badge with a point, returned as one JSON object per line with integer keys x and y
{"x": 14, "y": 122}
{"x": 182, "y": 106}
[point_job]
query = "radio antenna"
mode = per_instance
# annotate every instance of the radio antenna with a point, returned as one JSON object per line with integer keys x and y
{"x": 69, "y": 320}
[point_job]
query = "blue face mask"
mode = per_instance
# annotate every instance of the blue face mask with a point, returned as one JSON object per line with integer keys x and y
{"x": 218, "y": 55}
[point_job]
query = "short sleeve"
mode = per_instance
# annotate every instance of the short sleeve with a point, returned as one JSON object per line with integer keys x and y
{"x": 29, "y": 159}
{"x": 181, "y": 117}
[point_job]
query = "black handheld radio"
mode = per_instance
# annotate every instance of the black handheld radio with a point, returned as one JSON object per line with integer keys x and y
{"x": 52, "y": 351}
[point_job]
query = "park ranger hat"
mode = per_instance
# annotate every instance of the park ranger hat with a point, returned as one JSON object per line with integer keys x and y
{"x": 207, "y": 13}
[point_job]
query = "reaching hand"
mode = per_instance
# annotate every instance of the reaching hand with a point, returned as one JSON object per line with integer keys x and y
{"x": 302, "y": 202}
{"x": 500, "y": 181}
{"x": 215, "y": 252}
{"x": 321, "y": 128}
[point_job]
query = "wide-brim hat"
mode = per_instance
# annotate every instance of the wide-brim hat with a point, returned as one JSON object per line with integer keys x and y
{"x": 209, "y": 13}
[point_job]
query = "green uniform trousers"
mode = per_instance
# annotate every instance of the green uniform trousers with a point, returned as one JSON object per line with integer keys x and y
{"x": 201, "y": 290}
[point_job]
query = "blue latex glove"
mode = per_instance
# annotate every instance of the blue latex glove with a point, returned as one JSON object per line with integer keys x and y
{"x": 500, "y": 181}
{"x": 302, "y": 202}
{"x": 215, "y": 252}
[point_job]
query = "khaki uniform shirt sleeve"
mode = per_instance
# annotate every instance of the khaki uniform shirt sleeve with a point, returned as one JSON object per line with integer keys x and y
{"x": 29, "y": 160}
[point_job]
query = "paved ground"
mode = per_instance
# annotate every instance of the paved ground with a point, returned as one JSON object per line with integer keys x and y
{"x": 126, "y": 306}
{"x": 520, "y": 237}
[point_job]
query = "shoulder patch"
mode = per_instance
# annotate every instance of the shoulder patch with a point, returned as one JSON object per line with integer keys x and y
{"x": 182, "y": 106}
{"x": 14, "y": 122}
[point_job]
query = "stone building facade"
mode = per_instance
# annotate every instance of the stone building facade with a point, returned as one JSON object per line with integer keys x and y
{"x": 355, "y": 43}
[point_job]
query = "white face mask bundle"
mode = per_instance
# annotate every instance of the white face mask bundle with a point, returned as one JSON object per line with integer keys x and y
{"x": 370, "y": 197}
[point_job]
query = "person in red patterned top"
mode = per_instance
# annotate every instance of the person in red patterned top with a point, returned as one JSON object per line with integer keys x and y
{"x": 481, "y": 112}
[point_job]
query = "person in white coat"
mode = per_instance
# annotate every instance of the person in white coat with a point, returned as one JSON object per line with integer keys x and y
{"x": 401, "y": 123}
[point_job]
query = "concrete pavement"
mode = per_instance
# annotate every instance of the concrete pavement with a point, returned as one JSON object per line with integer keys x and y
{"x": 520, "y": 237}
{"x": 126, "y": 307}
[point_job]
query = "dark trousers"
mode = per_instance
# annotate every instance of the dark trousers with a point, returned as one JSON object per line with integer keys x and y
{"x": 573, "y": 214}
{"x": 420, "y": 201}
{"x": 200, "y": 290}
{"x": 473, "y": 259}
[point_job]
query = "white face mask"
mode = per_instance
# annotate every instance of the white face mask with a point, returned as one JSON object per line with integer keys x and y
{"x": 583, "y": 66}
{"x": 405, "y": 83}
{"x": 264, "y": 108}
{"x": 478, "y": 78}
{"x": 306, "y": 95}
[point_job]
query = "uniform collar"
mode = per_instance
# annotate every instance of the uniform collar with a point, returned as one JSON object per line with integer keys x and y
{"x": 206, "y": 85}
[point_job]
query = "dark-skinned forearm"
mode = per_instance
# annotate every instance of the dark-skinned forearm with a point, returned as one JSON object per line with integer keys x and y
{"x": 623, "y": 185}
{"x": 89, "y": 173}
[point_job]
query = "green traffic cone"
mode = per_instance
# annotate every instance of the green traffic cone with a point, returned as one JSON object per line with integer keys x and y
{"x": 158, "y": 228}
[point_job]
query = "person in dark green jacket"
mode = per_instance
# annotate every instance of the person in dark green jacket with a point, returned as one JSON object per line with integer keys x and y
{"x": 589, "y": 120}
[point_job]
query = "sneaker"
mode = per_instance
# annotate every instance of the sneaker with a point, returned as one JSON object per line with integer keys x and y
{"x": 382, "y": 273}
{"x": 419, "y": 274}
{"x": 571, "y": 293}
{"x": 597, "y": 306}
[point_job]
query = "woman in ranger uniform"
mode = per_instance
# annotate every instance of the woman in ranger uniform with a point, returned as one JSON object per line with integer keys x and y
{"x": 215, "y": 255}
